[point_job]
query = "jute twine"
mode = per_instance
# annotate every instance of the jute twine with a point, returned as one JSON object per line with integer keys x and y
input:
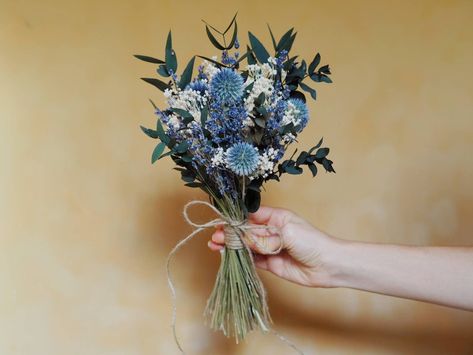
{"x": 236, "y": 237}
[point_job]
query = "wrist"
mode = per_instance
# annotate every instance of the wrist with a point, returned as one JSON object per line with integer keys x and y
{"x": 337, "y": 262}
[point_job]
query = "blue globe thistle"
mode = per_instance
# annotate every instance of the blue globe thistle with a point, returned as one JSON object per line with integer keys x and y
{"x": 302, "y": 116}
{"x": 227, "y": 86}
{"x": 242, "y": 159}
{"x": 199, "y": 85}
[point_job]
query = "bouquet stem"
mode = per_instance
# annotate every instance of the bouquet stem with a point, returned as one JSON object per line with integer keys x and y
{"x": 237, "y": 304}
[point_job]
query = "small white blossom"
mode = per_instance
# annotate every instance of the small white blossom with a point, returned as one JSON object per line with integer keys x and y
{"x": 291, "y": 115}
{"x": 289, "y": 138}
{"x": 266, "y": 163}
{"x": 219, "y": 159}
{"x": 209, "y": 68}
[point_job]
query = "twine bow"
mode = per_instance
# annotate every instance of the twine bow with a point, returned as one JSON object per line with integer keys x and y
{"x": 235, "y": 238}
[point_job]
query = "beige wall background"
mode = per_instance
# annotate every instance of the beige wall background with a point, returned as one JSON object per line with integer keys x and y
{"x": 86, "y": 221}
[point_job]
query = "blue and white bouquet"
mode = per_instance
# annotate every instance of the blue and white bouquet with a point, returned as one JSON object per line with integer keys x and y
{"x": 227, "y": 129}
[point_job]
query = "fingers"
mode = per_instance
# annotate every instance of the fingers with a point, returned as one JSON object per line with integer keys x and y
{"x": 276, "y": 217}
{"x": 260, "y": 240}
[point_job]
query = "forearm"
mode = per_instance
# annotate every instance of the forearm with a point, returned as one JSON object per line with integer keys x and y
{"x": 442, "y": 275}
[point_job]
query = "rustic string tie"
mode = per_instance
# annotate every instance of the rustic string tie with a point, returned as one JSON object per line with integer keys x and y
{"x": 236, "y": 237}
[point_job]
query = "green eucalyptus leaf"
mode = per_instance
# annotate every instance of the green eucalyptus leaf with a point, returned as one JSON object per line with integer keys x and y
{"x": 194, "y": 184}
{"x": 181, "y": 112}
{"x": 251, "y": 56}
{"x": 204, "y": 113}
{"x": 252, "y": 200}
{"x": 231, "y": 23}
{"x": 308, "y": 89}
{"x": 260, "y": 122}
{"x": 161, "y": 85}
{"x": 186, "y": 76}
{"x": 171, "y": 60}
{"x": 313, "y": 169}
{"x": 325, "y": 79}
{"x": 149, "y": 132}
{"x": 322, "y": 153}
{"x": 182, "y": 147}
{"x": 316, "y": 146}
{"x": 260, "y": 52}
{"x": 219, "y": 65}
{"x": 293, "y": 170}
{"x": 272, "y": 37}
{"x": 284, "y": 39}
{"x": 161, "y": 134}
{"x": 260, "y": 99}
{"x": 327, "y": 164}
{"x": 315, "y": 62}
{"x": 158, "y": 150}
{"x": 163, "y": 71}
{"x": 148, "y": 59}
{"x": 234, "y": 37}
{"x": 325, "y": 69}
{"x": 301, "y": 158}
{"x": 169, "y": 41}
{"x": 213, "y": 40}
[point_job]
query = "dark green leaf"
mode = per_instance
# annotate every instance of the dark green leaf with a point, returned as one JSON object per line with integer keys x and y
{"x": 325, "y": 69}
{"x": 308, "y": 89}
{"x": 187, "y": 176}
{"x": 165, "y": 155}
{"x": 145, "y": 58}
{"x": 317, "y": 146}
{"x": 243, "y": 57}
{"x": 260, "y": 99}
{"x": 149, "y": 132}
{"x": 231, "y": 23}
{"x": 251, "y": 57}
{"x": 213, "y": 39}
{"x": 193, "y": 184}
{"x": 284, "y": 39}
{"x": 252, "y": 200}
{"x": 293, "y": 170}
{"x": 186, "y": 76}
{"x": 163, "y": 71}
{"x": 272, "y": 37}
{"x": 169, "y": 41}
{"x": 319, "y": 78}
{"x": 171, "y": 60}
{"x": 181, "y": 112}
{"x": 234, "y": 37}
{"x": 161, "y": 134}
{"x": 302, "y": 157}
{"x": 182, "y": 147}
{"x": 325, "y": 79}
{"x": 161, "y": 85}
{"x": 203, "y": 115}
{"x": 158, "y": 150}
{"x": 261, "y": 53}
{"x": 220, "y": 65}
{"x": 260, "y": 122}
{"x": 313, "y": 169}
{"x": 328, "y": 165}
{"x": 315, "y": 62}
{"x": 322, "y": 153}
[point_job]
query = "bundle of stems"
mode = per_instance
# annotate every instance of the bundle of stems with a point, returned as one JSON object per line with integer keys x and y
{"x": 237, "y": 303}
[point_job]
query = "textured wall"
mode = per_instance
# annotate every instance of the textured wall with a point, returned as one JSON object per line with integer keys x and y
{"x": 86, "y": 221}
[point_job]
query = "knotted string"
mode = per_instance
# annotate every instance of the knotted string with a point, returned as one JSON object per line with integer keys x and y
{"x": 235, "y": 238}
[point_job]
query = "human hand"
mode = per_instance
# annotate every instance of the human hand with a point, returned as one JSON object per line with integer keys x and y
{"x": 305, "y": 250}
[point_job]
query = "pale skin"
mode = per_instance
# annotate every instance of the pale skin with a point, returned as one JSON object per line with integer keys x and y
{"x": 309, "y": 257}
